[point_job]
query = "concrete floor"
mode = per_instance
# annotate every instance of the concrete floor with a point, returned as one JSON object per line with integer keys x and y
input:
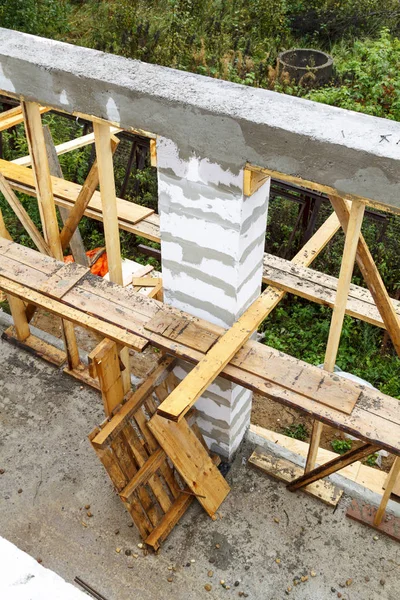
{"x": 44, "y": 421}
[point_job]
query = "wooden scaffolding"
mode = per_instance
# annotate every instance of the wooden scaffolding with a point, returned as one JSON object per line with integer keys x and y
{"x": 152, "y": 450}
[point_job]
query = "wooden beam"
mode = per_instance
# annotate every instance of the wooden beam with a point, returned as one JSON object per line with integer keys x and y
{"x": 371, "y": 277}
{"x": 65, "y": 147}
{"x": 11, "y": 118}
{"x": 17, "y": 306}
{"x": 76, "y": 242}
{"x": 82, "y": 202}
{"x": 346, "y": 271}
{"x": 321, "y": 288}
{"x": 332, "y": 466}
{"x": 153, "y": 153}
{"x": 106, "y": 360}
{"x": 394, "y": 473}
{"x": 40, "y": 168}
{"x": 252, "y": 181}
{"x": 23, "y": 217}
{"x": 104, "y": 154}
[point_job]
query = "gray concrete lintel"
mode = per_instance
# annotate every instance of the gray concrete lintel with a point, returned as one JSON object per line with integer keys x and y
{"x": 222, "y": 121}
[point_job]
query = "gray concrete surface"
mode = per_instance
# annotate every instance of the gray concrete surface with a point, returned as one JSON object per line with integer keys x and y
{"x": 44, "y": 420}
{"x": 208, "y": 118}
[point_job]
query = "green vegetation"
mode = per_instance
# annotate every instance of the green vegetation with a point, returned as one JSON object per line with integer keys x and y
{"x": 297, "y": 431}
{"x": 239, "y": 41}
{"x": 341, "y": 446}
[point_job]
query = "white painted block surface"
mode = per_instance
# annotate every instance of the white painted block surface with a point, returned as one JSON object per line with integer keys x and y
{"x": 23, "y": 578}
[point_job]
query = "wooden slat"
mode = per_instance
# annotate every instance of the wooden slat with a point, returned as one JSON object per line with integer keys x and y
{"x": 111, "y": 429}
{"x": 63, "y": 280}
{"x": 23, "y": 216}
{"x": 284, "y": 470}
{"x": 394, "y": 473}
{"x": 66, "y": 193}
{"x": 11, "y": 118}
{"x": 75, "y": 144}
{"x": 321, "y": 288}
{"x": 191, "y": 461}
{"x": 185, "y": 330}
{"x": 332, "y": 466}
{"x": 143, "y": 475}
{"x": 168, "y": 522}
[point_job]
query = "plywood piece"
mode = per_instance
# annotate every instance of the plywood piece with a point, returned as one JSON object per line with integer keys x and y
{"x": 37, "y": 347}
{"x": 185, "y": 330}
{"x": 287, "y": 471}
{"x": 191, "y": 461}
{"x": 63, "y": 280}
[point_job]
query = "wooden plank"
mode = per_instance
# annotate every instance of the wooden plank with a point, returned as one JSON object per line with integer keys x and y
{"x": 137, "y": 398}
{"x": 168, "y": 522}
{"x": 143, "y": 475}
{"x": 185, "y": 330}
{"x": 63, "y": 280}
{"x": 105, "y": 167}
{"x": 106, "y": 359}
{"x": 78, "y": 317}
{"x": 11, "y": 118}
{"x": 321, "y": 288}
{"x": 333, "y": 466}
{"x": 191, "y": 461}
{"x": 36, "y": 346}
{"x": 284, "y": 470}
{"x": 75, "y": 144}
{"x": 141, "y": 458}
{"x": 23, "y": 216}
{"x": 335, "y": 330}
{"x": 66, "y": 193}
{"x": 145, "y": 281}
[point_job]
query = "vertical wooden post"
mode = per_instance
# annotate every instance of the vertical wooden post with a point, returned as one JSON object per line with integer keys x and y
{"x": 346, "y": 272}
{"x": 40, "y": 167}
{"x": 17, "y": 307}
{"x": 102, "y": 135}
{"x": 394, "y": 473}
{"x": 76, "y": 242}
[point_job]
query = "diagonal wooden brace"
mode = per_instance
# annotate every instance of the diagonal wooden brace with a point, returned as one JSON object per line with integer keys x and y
{"x": 332, "y": 466}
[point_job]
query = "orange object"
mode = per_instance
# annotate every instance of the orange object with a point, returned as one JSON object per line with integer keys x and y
{"x": 100, "y": 267}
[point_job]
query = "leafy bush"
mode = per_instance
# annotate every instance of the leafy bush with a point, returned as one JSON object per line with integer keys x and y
{"x": 368, "y": 78}
{"x": 330, "y": 20}
{"x": 48, "y": 18}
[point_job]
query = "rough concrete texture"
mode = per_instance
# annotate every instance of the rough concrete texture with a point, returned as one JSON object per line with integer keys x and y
{"x": 45, "y": 417}
{"x": 222, "y": 121}
{"x": 212, "y": 243}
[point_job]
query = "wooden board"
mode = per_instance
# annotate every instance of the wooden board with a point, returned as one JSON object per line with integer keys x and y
{"x": 63, "y": 280}
{"x": 11, "y": 118}
{"x": 191, "y": 461}
{"x": 287, "y": 471}
{"x": 37, "y": 347}
{"x": 185, "y": 330}
{"x": 320, "y": 288}
{"x": 66, "y": 192}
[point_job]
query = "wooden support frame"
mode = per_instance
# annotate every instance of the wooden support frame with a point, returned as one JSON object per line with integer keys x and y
{"x": 40, "y": 167}
{"x": 346, "y": 271}
{"x": 102, "y": 135}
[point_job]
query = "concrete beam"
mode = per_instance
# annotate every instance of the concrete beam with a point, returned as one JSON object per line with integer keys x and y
{"x": 226, "y": 123}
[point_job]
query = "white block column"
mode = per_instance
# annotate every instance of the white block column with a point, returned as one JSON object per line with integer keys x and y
{"x": 212, "y": 244}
